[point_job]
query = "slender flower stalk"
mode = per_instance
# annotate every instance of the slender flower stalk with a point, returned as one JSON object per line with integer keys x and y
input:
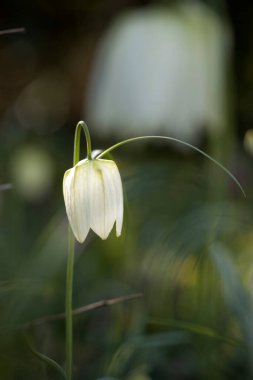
{"x": 81, "y": 126}
{"x": 69, "y": 306}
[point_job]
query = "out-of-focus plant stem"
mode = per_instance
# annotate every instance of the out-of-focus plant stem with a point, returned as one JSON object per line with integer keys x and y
{"x": 69, "y": 319}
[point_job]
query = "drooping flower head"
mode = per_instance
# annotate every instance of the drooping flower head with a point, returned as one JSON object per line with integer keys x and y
{"x": 93, "y": 197}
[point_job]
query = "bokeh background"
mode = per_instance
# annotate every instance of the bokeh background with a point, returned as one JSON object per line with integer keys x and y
{"x": 129, "y": 68}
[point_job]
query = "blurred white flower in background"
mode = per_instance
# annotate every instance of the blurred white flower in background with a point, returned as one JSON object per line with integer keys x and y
{"x": 161, "y": 70}
{"x": 32, "y": 172}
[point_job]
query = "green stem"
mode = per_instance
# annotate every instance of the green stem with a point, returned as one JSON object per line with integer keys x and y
{"x": 81, "y": 126}
{"x": 194, "y": 328}
{"x": 69, "y": 291}
{"x": 52, "y": 363}
{"x": 179, "y": 142}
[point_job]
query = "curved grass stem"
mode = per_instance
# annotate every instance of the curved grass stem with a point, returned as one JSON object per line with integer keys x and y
{"x": 50, "y": 362}
{"x": 178, "y": 141}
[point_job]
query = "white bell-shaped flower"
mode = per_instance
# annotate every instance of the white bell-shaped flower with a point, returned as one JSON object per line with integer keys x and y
{"x": 93, "y": 197}
{"x": 161, "y": 69}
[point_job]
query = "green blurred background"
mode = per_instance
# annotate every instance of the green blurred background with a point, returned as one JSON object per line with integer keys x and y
{"x": 188, "y": 231}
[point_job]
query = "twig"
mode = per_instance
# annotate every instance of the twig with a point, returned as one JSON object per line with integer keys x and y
{"x": 12, "y": 31}
{"x": 82, "y": 309}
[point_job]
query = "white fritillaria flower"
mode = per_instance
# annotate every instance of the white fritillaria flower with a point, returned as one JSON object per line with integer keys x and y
{"x": 161, "y": 69}
{"x": 93, "y": 197}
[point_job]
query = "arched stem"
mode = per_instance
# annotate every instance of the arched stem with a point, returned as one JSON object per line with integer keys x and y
{"x": 81, "y": 126}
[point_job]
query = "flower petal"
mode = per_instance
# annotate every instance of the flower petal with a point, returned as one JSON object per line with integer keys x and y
{"x": 113, "y": 180}
{"x": 120, "y": 202}
{"x": 76, "y": 196}
{"x": 101, "y": 201}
